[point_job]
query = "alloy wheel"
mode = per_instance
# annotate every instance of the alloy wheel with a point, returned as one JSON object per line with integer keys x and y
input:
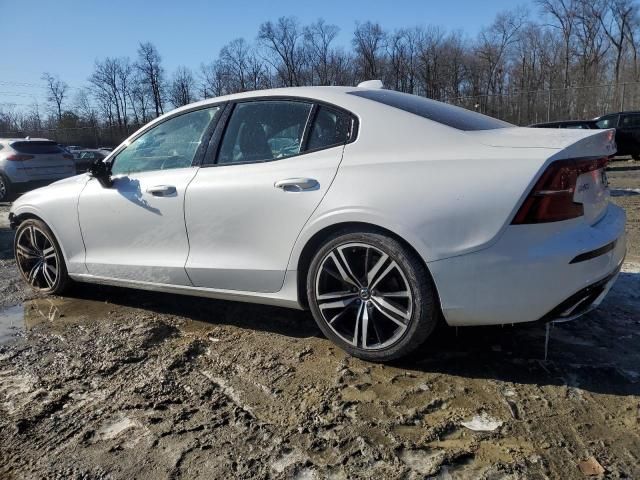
{"x": 37, "y": 258}
{"x": 363, "y": 295}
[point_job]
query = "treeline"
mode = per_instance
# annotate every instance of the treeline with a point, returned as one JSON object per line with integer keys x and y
{"x": 558, "y": 47}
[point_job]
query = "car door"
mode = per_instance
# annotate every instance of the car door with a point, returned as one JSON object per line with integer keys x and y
{"x": 629, "y": 133}
{"x": 275, "y": 162}
{"x": 135, "y": 230}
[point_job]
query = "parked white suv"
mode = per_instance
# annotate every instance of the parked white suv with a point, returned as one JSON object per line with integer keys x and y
{"x": 27, "y": 163}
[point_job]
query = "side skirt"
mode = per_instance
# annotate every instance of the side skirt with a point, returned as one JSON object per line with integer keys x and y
{"x": 287, "y": 297}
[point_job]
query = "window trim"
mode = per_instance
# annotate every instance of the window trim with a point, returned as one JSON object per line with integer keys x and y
{"x": 210, "y": 159}
{"x": 201, "y": 150}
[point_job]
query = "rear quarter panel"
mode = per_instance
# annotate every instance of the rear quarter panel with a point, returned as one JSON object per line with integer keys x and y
{"x": 441, "y": 190}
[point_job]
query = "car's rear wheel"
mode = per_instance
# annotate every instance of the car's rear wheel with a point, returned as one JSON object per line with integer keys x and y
{"x": 5, "y": 189}
{"x": 39, "y": 257}
{"x": 371, "y": 295}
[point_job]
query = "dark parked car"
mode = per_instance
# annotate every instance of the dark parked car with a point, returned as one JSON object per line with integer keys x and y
{"x": 84, "y": 158}
{"x": 627, "y": 125}
{"x": 585, "y": 124}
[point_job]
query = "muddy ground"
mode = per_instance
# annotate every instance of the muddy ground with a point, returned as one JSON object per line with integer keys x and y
{"x": 116, "y": 383}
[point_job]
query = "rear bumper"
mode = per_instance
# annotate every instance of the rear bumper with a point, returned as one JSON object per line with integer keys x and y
{"x": 533, "y": 272}
{"x": 583, "y": 301}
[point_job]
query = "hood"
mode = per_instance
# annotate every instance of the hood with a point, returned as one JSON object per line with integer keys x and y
{"x": 33, "y": 195}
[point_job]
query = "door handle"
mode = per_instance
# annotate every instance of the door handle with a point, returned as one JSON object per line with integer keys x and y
{"x": 297, "y": 184}
{"x": 162, "y": 191}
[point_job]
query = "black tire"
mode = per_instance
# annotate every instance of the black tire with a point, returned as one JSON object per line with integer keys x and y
{"x": 5, "y": 189}
{"x": 27, "y": 262}
{"x": 424, "y": 308}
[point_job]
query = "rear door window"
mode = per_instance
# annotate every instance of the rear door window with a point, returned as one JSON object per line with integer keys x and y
{"x": 330, "y": 127}
{"x": 264, "y": 130}
{"x": 36, "y": 147}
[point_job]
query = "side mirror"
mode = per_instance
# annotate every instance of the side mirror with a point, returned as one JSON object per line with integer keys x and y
{"x": 101, "y": 172}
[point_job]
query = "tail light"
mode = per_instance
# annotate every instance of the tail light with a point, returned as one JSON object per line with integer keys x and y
{"x": 67, "y": 156}
{"x": 19, "y": 158}
{"x": 551, "y": 199}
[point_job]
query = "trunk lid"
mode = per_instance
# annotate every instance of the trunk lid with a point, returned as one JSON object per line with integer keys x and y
{"x": 602, "y": 141}
{"x": 585, "y": 150}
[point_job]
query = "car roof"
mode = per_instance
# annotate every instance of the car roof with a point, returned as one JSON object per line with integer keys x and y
{"x": 617, "y": 113}
{"x": 556, "y": 122}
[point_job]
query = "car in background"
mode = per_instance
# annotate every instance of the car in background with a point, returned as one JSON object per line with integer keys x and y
{"x": 579, "y": 124}
{"x": 28, "y": 163}
{"x": 627, "y": 125}
{"x": 84, "y": 158}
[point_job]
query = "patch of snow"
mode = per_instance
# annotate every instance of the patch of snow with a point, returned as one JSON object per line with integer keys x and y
{"x": 483, "y": 423}
{"x": 422, "y": 461}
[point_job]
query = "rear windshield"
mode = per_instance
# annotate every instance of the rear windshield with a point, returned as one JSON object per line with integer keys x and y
{"x": 449, "y": 115}
{"x": 35, "y": 147}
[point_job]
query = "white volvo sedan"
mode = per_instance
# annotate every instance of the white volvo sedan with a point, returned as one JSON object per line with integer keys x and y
{"x": 379, "y": 211}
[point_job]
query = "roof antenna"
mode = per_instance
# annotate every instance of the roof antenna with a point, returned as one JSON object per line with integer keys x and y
{"x": 376, "y": 84}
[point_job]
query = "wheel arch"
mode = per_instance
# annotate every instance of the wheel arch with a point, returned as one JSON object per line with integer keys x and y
{"x": 27, "y": 214}
{"x": 312, "y": 244}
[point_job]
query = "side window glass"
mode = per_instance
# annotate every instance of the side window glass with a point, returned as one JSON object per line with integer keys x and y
{"x": 630, "y": 121}
{"x": 264, "y": 130}
{"x": 330, "y": 127}
{"x": 171, "y": 144}
{"x": 607, "y": 122}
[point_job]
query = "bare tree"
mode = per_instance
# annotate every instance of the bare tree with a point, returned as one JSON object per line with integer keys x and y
{"x": 56, "y": 92}
{"x": 318, "y": 38}
{"x": 235, "y": 58}
{"x": 369, "y": 42}
{"x": 182, "y": 88}
{"x": 615, "y": 17}
{"x": 149, "y": 66}
{"x": 493, "y": 43}
{"x": 111, "y": 84}
{"x": 283, "y": 42}
{"x": 564, "y": 12}
{"x": 213, "y": 79}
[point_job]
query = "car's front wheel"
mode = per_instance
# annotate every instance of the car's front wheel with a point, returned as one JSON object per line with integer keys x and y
{"x": 39, "y": 257}
{"x": 371, "y": 295}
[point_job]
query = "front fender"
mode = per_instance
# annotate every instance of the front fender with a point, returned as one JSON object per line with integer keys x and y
{"x": 57, "y": 206}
